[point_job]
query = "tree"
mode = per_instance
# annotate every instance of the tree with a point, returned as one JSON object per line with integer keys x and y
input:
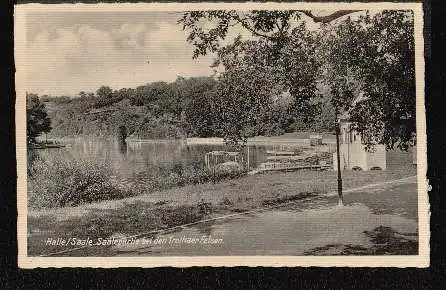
{"x": 370, "y": 70}
{"x": 387, "y": 112}
{"x": 354, "y": 57}
{"x": 283, "y": 44}
{"x": 244, "y": 92}
{"x": 104, "y": 97}
{"x": 197, "y": 103}
{"x": 148, "y": 94}
{"x": 37, "y": 119}
{"x": 260, "y": 95}
{"x": 85, "y": 102}
{"x": 371, "y": 56}
{"x": 274, "y": 26}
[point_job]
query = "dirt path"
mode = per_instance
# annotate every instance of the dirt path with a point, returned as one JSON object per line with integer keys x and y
{"x": 311, "y": 227}
{"x": 244, "y": 231}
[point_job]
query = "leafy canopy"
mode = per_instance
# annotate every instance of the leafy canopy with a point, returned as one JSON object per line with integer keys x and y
{"x": 365, "y": 67}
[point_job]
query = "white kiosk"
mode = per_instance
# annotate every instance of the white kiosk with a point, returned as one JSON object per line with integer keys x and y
{"x": 353, "y": 153}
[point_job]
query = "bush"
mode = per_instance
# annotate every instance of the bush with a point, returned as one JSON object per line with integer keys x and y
{"x": 57, "y": 182}
{"x": 195, "y": 175}
{"x": 165, "y": 177}
{"x": 227, "y": 170}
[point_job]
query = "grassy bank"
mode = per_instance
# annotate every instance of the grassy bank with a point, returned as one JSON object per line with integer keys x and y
{"x": 58, "y": 181}
{"x": 176, "y": 206}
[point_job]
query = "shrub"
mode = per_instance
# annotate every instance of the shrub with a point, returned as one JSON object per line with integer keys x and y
{"x": 57, "y": 181}
{"x": 193, "y": 175}
{"x": 227, "y": 170}
{"x": 165, "y": 177}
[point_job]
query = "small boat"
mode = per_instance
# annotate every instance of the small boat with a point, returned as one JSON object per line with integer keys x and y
{"x": 46, "y": 146}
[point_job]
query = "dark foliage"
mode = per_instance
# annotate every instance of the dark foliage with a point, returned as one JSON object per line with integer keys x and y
{"x": 193, "y": 107}
{"x": 37, "y": 118}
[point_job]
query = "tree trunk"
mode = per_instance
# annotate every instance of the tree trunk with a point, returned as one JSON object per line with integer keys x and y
{"x": 122, "y": 134}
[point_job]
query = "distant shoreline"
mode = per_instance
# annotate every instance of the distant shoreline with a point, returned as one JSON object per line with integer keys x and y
{"x": 220, "y": 141}
{"x": 253, "y": 141}
{"x": 296, "y": 138}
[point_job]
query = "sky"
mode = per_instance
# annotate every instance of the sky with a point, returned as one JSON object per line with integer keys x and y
{"x": 68, "y": 52}
{"x": 72, "y": 52}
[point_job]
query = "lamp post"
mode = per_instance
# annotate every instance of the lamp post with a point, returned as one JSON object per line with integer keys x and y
{"x": 338, "y": 157}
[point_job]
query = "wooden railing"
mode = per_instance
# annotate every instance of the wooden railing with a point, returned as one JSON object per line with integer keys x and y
{"x": 273, "y": 166}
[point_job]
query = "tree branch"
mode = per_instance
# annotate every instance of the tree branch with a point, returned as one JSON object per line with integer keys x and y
{"x": 244, "y": 23}
{"x": 328, "y": 18}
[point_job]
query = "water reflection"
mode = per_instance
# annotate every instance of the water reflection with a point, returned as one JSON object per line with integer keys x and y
{"x": 129, "y": 159}
{"x": 123, "y": 147}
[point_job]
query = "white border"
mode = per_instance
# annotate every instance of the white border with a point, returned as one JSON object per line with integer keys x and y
{"x": 421, "y": 260}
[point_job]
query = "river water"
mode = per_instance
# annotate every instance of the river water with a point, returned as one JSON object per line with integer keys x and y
{"x": 134, "y": 157}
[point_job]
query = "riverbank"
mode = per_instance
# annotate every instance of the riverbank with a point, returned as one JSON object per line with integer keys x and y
{"x": 288, "y": 139}
{"x": 177, "y": 206}
{"x": 296, "y": 139}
